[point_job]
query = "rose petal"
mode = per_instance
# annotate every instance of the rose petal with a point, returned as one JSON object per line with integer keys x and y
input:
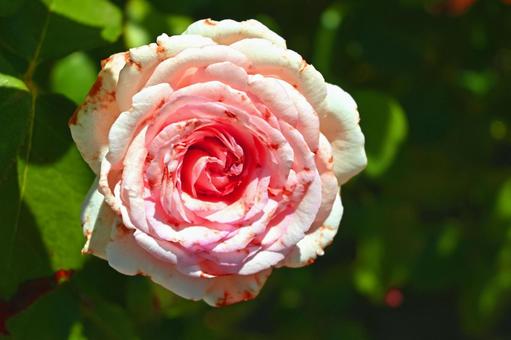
{"x": 339, "y": 123}
{"x": 128, "y": 258}
{"x": 92, "y": 120}
{"x": 173, "y": 69}
{"x": 144, "y": 104}
{"x": 272, "y": 60}
{"x": 314, "y": 243}
{"x": 97, "y": 221}
{"x": 141, "y": 62}
{"x": 226, "y": 32}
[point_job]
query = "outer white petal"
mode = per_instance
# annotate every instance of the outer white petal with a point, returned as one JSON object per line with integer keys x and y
{"x": 141, "y": 61}
{"x": 127, "y": 257}
{"x": 92, "y": 120}
{"x": 97, "y": 222}
{"x": 339, "y": 123}
{"x": 315, "y": 242}
{"x": 171, "y": 70}
{"x": 228, "y": 31}
{"x": 272, "y": 60}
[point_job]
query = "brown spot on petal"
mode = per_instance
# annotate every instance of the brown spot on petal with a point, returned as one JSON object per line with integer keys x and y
{"x": 131, "y": 62}
{"x": 311, "y": 261}
{"x": 224, "y": 300}
{"x": 86, "y": 252}
{"x": 74, "y": 117}
{"x": 210, "y": 22}
{"x": 160, "y": 104}
{"x": 229, "y": 114}
{"x": 105, "y": 61}
{"x": 248, "y": 295}
{"x": 286, "y": 191}
{"x": 267, "y": 114}
{"x": 122, "y": 229}
{"x": 303, "y": 65}
{"x": 94, "y": 90}
{"x": 331, "y": 159}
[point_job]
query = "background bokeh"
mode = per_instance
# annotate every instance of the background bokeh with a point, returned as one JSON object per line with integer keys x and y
{"x": 424, "y": 249}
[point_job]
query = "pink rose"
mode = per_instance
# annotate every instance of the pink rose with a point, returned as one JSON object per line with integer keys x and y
{"x": 219, "y": 155}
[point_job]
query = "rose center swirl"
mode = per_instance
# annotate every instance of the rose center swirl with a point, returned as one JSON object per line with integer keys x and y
{"x": 212, "y": 166}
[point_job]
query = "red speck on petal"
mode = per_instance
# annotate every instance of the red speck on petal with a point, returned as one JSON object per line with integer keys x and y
{"x": 248, "y": 295}
{"x": 267, "y": 114}
{"x": 74, "y": 117}
{"x": 131, "y": 62}
{"x": 160, "y": 104}
{"x": 229, "y": 114}
{"x": 303, "y": 65}
{"x": 105, "y": 61}
{"x": 394, "y": 298}
{"x": 274, "y": 146}
{"x": 311, "y": 261}
{"x": 210, "y": 22}
{"x": 96, "y": 87}
{"x": 223, "y": 301}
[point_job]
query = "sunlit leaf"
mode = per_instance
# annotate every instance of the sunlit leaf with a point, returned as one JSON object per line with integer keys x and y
{"x": 43, "y": 183}
{"x": 73, "y": 76}
{"x": 57, "y": 27}
{"x": 384, "y": 124}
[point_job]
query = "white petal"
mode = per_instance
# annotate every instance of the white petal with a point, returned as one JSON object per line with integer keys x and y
{"x": 92, "y": 120}
{"x": 339, "y": 123}
{"x": 228, "y": 31}
{"x": 272, "y": 60}
{"x": 141, "y": 62}
{"x": 314, "y": 243}
{"x": 97, "y": 221}
{"x": 127, "y": 257}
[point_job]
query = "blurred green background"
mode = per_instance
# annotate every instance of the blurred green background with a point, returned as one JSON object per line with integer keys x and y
{"x": 424, "y": 249}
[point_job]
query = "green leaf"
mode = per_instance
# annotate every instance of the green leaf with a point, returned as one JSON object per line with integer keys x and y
{"x": 7, "y": 81}
{"x": 55, "y": 28}
{"x": 50, "y": 317}
{"x": 67, "y": 81}
{"x": 106, "y": 320}
{"x": 384, "y": 124}
{"x": 9, "y": 7}
{"x": 95, "y": 13}
{"x": 43, "y": 187}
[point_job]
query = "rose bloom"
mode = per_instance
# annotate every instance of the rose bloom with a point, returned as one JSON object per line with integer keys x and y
{"x": 219, "y": 156}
